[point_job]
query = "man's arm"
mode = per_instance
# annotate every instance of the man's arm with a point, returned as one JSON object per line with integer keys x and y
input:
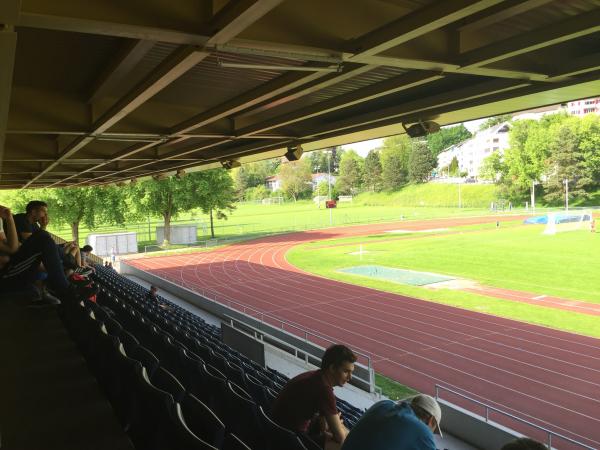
{"x": 336, "y": 427}
{"x": 11, "y": 244}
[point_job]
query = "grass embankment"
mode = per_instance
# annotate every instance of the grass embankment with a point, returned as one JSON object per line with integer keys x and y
{"x": 434, "y": 195}
{"x": 517, "y": 257}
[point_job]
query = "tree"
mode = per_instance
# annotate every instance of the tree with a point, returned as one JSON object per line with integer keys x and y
{"x": 336, "y": 154}
{"x": 372, "y": 171}
{"x": 88, "y": 205}
{"x": 495, "y": 120}
{"x": 440, "y": 141}
{"x": 165, "y": 198}
{"x": 492, "y": 168}
{"x": 319, "y": 161}
{"x": 453, "y": 168}
{"x": 420, "y": 163}
{"x": 296, "y": 177}
{"x": 212, "y": 191}
{"x": 252, "y": 175}
{"x": 394, "y": 161}
{"x": 566, "y": 162}
{"x": 350, "y": 177}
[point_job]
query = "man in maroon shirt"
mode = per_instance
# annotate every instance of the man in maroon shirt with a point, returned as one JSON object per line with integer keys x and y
{"x": 309, "y": 398}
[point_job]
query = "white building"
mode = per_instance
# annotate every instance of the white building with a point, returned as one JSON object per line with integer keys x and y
{"x": 582, "y": 107}
{"x": 273, "y": 183}
{"x": 471, "y": 153}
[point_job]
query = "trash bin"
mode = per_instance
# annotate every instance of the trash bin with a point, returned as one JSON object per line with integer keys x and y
{"x": 330, "y": 204}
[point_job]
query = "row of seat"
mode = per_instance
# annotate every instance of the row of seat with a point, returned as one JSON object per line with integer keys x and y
{"x": 187, "y": 329}
{"x": 156, "y": 408}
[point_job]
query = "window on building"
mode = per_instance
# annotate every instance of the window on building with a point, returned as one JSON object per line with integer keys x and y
{"x": 496, "y": 140}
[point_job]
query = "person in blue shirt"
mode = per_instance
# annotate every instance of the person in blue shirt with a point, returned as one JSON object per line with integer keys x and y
{"x": 389, "y": 425}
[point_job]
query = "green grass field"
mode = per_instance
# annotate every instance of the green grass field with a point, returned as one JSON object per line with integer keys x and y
{"x": 255, "y": 220}
{"x": 514, "y": 256}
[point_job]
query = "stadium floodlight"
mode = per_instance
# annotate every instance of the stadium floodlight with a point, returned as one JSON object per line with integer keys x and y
{"x": 421, "y": 129}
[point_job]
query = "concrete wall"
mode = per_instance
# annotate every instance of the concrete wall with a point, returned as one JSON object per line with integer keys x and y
{"x": 473, "y": 429}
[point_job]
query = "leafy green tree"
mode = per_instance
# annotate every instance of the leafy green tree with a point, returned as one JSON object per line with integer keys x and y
{"x": 372, "y": 171}
{"x": 212, "y": 191}
{"x": 496, "y": 120}
{"x": 524, "y": 159}
{"x": 438, "y": 142}
{"x": 296, "y": 178}
{"x": 336, "y": 154}
{"x": 394, "y": 161}
{"x": 166, "y": 198}
{"x": 492, "y": 168}
{"x": 257, "y": 193}
{"x": 319, "y": 161}
{"x": 349, "y": 180}
{"x": 253, "y": 174}
{"x": 420, "y": 163}
{"x": 88, "y": 205}
{"x": 566, "y": 162}
{"x": 453, "y": 168}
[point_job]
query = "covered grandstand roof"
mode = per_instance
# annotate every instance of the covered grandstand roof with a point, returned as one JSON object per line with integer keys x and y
{"x": 100, "y": 91}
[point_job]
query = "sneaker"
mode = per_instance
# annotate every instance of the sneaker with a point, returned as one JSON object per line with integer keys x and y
{"x": 84, "y": 271}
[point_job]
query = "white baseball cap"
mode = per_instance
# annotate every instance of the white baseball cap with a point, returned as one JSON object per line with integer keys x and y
{"x": 429, "y": 404}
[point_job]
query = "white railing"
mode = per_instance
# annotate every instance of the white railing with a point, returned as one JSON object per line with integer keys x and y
{"x": 549, "y": 433}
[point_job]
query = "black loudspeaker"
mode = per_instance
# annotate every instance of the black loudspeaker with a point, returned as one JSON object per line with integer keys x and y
{"x": 294, "y": 153}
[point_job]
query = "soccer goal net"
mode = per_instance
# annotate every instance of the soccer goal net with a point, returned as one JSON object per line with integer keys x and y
{"x": 568, "y": 221}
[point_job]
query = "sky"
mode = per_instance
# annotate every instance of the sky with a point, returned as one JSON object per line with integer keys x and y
{"x": 363, "y": 148}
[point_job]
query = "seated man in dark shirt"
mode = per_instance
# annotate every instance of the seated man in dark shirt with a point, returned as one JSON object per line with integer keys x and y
{"x": 152, "y": 294}
{"x": 34, "y": 218}
{"x": 309, "y": 398}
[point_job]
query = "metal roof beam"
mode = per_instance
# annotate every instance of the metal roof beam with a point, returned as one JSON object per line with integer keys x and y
{"x": 8, "y": 45}
{"x": 183, "y": 59}
{"x": 418, "y": 23}
{"x": 381, "y": 89}
{"x": 581, "y": 25}
{"x": 498, "y": 13}
{"x": 448, "y": 99}
{"x": 129, "y": 56}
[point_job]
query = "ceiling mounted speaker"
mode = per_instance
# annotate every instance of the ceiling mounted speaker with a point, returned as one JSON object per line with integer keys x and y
{"x": 421, "y": 129}
{"x": 230, "y": 163}
{"x": 294, "y": 153}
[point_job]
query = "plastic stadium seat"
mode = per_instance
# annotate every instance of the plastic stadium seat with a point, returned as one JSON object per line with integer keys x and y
{"x": 256, "y": 389}
{"x": 129, "y": 341}
{"x": 234, "y": 373}
{"x": 240, "y": 416}
{"x": 190, "y": 366}
{"x": 215, "y": 388}
{"x": 182, "y": 437}
{"x": 270, "y": 396}
{"x": 146, "y": 357}
{"x": 121, "y": 386}
{"x": 232, "y": 442}
{"x": 166, "y": 381}
{"x": 202, "y": 421}
{"x": 113, "y": 327}
{"x": 277, "y": 437}
{"x": 150, "y": 422}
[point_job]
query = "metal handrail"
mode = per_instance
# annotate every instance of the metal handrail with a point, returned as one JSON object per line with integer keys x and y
{"x": 488, "y": 408}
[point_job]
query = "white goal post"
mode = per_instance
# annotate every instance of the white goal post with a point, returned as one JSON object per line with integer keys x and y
{"x": 571, "y": 220}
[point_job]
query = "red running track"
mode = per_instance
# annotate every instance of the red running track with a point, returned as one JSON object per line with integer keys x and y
{"x": 546, "y": 376}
